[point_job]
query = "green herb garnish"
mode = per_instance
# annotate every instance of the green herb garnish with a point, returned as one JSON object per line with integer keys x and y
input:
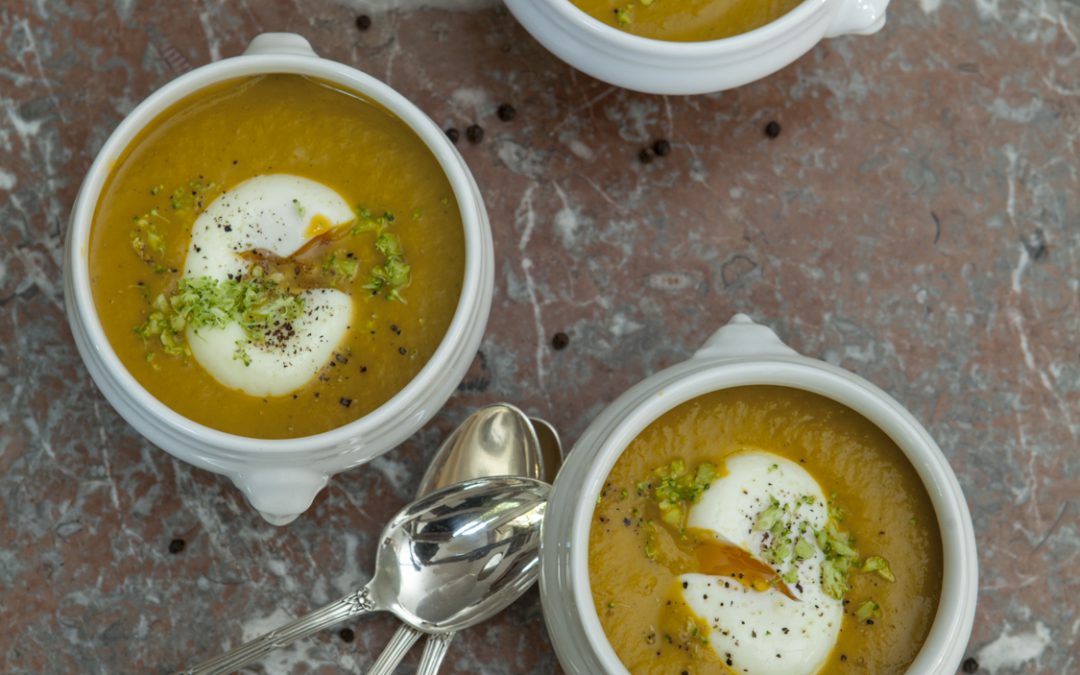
{"x": 394, "y": 274}
{"x": 876, "y": 563}
{"x": 191, "y": 196}
{"x": 677, "y": 489}
{"x": 257, "y": 302}
{"x": 366, "y": 222}
{"x": 868, "y": 611}
{"x": 341, "y": 268}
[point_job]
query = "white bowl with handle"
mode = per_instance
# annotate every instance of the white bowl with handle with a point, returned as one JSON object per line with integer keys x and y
{"x": 281, "y": 477}
{"x": 739, "y": 354}
{"x": 667, "y": 67}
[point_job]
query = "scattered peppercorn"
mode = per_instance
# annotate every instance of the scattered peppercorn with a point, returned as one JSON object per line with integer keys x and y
{"x": 346, "y": 635}
{"x": 560, "y": 340}
{"x": 402, "y": 351}
{"x": 970, "y": 665}
{"x": 363, "y": 22}
{"x": 646, "y": 155}
{"x": 506, "y": 112}
{"x": 453, "y": 135}
{"x": 475, "y": 133}
{"x": 176, "y": 546}
{"x": 772, "y": 129}
{"x": 346, "y": 402}
{"x": 662, "y": 147}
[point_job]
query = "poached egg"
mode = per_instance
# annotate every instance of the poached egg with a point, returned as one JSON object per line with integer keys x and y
{"x": 278, "y": 213}
{"x": 764, "y": 631}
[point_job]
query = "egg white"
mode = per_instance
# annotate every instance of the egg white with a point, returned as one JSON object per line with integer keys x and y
{"x": 278, "y": 213}
{"x": 764, "y": 632}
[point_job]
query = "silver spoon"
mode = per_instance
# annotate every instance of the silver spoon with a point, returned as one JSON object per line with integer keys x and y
{"x": 434, "y": 649}
{"x": 551, "y": 449}
{"x": 450, "y": 560}
{"x": 496, "y": 440}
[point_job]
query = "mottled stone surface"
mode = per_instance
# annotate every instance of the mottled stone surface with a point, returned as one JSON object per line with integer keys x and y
{"x": 916, "y": 221}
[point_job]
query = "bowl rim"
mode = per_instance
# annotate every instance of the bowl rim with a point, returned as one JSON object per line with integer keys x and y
{"x": 625, "y": 41}
{"x": 954, "y": 616}
{"x": 328, "y": 443}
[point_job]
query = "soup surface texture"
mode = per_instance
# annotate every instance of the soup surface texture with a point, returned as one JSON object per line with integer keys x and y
{"x": 275, "y": 256}
{"x": 668, "y": 591}
{"x": 686, "y": 20}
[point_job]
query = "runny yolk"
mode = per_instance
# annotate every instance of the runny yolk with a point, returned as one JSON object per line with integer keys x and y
{"x": 319, "y": 224}
{"x": 721, "y": 559}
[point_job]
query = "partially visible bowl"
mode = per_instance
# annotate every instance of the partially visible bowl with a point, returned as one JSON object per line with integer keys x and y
{"x": 281, "y": 477}
{"x": 741, "y": 353}
{"x": 662, "y": 67}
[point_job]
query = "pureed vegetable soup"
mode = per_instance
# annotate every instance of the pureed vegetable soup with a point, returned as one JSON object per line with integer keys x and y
{"x": 764, "y": 530}
{"x": 275, "y": 256}
{"x": 687, "y": 20}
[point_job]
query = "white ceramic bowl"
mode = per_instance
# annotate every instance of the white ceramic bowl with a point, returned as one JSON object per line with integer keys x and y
{"x": 664, "y": 67}
{"x": 740, "y": 353}
{"x": 282, "y": 477}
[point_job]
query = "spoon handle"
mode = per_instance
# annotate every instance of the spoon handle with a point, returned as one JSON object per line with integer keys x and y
{"x": 351, "y": 605}
{"x": 434, "y": 653}
{"x": 395, "y": 650}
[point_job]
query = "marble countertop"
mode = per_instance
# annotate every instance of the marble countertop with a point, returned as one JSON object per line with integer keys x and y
{"x": 916, "y": 221}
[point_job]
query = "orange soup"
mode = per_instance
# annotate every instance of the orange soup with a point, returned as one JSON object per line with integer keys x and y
{"x": 764, "y": 529}
{"x": 686, "y": 20}
{"x": 276, "y": 256}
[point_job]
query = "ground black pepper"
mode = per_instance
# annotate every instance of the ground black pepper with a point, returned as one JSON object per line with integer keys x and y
{"x": 453, "y": 135}
{"x": 506, "y": 112}
{"x": 346, "y": 402}
{"x": 475, "y": 133}
{"x": 560, "y": 340}
{"x": 661, "y": 147}
{"x": 971, "y": 665}
{"x": 772, "y": 129}
{"x": 645, "y": 156}
{"x": 346, "y": 635}
{"x": 177, "y": 546}
{"x": 363, "y": 22}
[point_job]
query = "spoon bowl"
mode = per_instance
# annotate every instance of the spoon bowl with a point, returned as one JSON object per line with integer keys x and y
{"x": 445, "y": 562}
{"x": 462, "y": 554}
{"x": 496, "y": 440}
{"x": 550, "y": 447}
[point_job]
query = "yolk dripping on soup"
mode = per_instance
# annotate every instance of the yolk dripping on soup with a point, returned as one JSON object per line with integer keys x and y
{"x": 648, "y": 558}
{"x": 328, "y": 232}
{"x": 686, "y": 20}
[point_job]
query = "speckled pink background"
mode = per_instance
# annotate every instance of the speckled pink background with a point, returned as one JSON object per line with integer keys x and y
{"x": 917, "y": 221}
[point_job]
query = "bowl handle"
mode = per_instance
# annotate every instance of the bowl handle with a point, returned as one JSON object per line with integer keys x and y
{"x": 742, "y": 337}
{"x": 289, "y": 44}
{"x": 860, "y": 17}
{"x": 280, "y": 494}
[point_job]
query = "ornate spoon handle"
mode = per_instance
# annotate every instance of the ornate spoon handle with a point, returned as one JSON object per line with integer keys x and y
{"x": 395, "y": 650}
{"x": 351, "y": 605}
{"x": 434, "y": 653}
